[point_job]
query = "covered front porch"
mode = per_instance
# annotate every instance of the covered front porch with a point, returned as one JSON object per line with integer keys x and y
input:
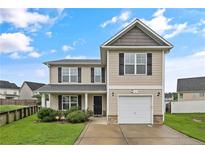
{"x": 85, "y": 97}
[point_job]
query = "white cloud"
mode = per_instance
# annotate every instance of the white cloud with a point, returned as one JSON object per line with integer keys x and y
{"x": 14, "y": 55}
{"x": 22, "y": 18}
{"x": 34, "y": 54}
{"x": 75, "y": 57}
{"x": 179, "y": 28}
{"x": 15, "y": 44}
{"x": 53, "y": 51}
{"x": 49, "y": 34}
{"x": 67, "y": 48}
{"x": 189, "y": 66}
{"x": 124, "y": 16}
{"x": 161, "y": 24}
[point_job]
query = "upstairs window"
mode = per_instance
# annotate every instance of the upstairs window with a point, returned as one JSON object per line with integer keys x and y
{"x": 97, "y": 75}
{"x": 70, "y": 74}
{"x": 129, "y": 63}
{"x": 135, "y": 63}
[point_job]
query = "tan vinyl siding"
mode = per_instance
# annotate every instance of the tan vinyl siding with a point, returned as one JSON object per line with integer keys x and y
{"x": 85, "y": 74}
{"x": 113, "y": 100}
{"x": 53, "y": 74}
{"x": 134, "y": 37}
{"x": 189, "y": 96}
{"x": 154, "y": 79}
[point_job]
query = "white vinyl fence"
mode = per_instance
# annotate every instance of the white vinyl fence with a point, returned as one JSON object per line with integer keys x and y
{"x": 188, "y": 107}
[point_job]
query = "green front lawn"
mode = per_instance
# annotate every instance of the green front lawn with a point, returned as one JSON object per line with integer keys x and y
{"x": 27, "y": 131}
{"x": 192, "y": 125}
{"x": 4, "y": 108}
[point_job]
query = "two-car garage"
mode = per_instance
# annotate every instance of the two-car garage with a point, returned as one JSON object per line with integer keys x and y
{"x": 134, "y": 109}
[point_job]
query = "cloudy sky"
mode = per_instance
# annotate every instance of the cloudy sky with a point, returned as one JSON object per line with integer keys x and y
{"x": 28, "y": 37}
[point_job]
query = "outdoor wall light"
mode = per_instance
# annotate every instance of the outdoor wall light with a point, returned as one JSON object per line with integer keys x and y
{"x": 113, "y": 94}
{"x": 158, "y": 94}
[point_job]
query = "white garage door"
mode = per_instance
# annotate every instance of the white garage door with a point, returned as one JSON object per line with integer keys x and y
{"x": 135, "y": 109}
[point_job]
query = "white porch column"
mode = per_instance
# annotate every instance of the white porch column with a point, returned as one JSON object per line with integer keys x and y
{"x": 43, "y": 100}
{"x": 86, "y": 101}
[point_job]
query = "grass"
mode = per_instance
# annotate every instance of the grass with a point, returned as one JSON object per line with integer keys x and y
{"x": 27, "y": 131}
{"x": 191, "y": 124}
{"x": 4, "y": 108}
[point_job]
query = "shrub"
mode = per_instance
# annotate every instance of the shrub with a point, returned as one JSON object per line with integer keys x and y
{"x": 47, "y": 114}
{"x": 77, "y": 116}
{"x": 70, "y": 110}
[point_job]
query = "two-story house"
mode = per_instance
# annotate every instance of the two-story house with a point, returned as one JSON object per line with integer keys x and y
{"x": 126, "y": 85}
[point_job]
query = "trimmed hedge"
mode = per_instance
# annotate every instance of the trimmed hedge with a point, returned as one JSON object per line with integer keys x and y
{"x": 77, "y": 116}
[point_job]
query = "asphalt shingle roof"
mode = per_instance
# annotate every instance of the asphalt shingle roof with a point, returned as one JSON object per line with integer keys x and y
{"x": 191, "y": 84}
{"x": 34, "y": 85}
{"x": 72, "y": 88}
{"x": 7, "y": 84}
{"x": 74, "y": 62}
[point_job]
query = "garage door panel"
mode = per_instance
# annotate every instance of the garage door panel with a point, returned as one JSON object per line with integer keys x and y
{"x": 134, "y": 109}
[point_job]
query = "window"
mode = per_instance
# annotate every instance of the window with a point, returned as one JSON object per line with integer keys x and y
{"x": 181, "y": 95}
{"x": 135, "y": 63}
{"x": 97, "y": 75}
{"x": 73, "y": 75}
{"x": 70, "y": 74}
{"x": 129, "y": 63}
{"x": 141, "y": 63}
{"x": 69, "y": 101}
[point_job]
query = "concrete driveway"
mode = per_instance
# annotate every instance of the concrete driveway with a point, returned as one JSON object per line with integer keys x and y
{"x": 102, "y": 134}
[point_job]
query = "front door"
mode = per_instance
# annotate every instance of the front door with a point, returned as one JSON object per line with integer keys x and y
{"x": 97, "y": 105}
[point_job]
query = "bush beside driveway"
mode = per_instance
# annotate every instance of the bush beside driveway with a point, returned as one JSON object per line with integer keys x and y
{"x": 192, "y": 125}
{"x": 28, "y": 131}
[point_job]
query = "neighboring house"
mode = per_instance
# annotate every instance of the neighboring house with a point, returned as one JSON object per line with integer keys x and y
{"x": 191, "y": 89}
{"x": 8, "y": 90}
{"x": 27, "y": 90}
{"x": 191, "y": 96}
{"x": 126, "y": 84}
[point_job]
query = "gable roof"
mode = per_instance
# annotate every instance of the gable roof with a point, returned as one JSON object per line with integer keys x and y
{"x": 33, "y": 85}
{"x": 191, "y": 84}
{"x": 74, "y": 62}
{"x": 8, "y": 85}
{"x": 148, "y": 31}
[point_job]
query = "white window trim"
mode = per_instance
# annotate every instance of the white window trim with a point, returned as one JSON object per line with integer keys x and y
{"x": 135, "y": 73}
{"x": 69, "y": 74}
{"x": 69, "y": 101}
{"x": 100, "y": 75}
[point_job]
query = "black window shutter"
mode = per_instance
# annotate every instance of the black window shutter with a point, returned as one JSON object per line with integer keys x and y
{"x": 59, "y": 102}
{"x": 149, "y": 63}
{"x": 79, "y": 75}
{"x": 79, "y": 102}
{"x": 59, "y": 74}
{"x": 103, "y": 74}
{"x": 92, "y": 75}
{"x": 121, "y": 63}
